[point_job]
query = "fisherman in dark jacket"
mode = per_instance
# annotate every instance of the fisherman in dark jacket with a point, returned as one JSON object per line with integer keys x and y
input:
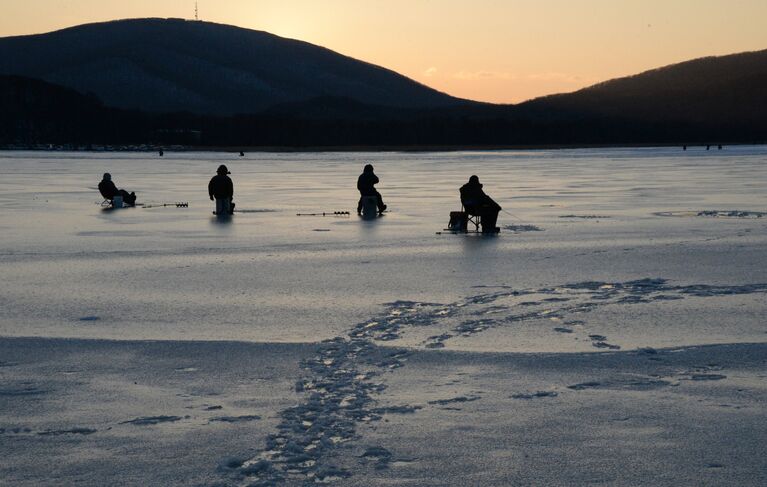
{"x": 221, "y": 188}
{"x": 476, "y": 202}
{"x": 108, "y": 190}
{"x": 366, "y": 185}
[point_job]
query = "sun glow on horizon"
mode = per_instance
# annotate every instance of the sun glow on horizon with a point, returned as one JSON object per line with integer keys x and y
{"x": 502, "y": 52}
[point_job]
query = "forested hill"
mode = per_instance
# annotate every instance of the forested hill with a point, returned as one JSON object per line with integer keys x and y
{"x": 714, "y": 91}
{"x": 155, "y": 81}
{"x": 170, "y": 65}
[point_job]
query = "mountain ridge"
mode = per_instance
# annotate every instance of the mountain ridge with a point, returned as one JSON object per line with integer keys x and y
{"x": 165, "y": 65}
{"x": 722, "y": 98}
{"x": 698, "y": 90}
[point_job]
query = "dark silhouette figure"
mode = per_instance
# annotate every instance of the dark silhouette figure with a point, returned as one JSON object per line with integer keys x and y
{"x": 719, "y": 147}
{"x": 242, "y": 154}
{"x": 221, "y": 188}
{"x": 366, "y": 184}
{"x": 708, "y": 147}
{"x": 684, "y": 147}
{"x": 108, "y": 190}
{"x": 161, "y": 153}
{"x": 476, "y": 202}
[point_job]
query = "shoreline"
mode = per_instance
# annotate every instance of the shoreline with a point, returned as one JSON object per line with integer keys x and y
{"x": 375, "y": 148}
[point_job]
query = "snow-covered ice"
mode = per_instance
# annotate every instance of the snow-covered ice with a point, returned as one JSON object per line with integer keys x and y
{"x": 614, "y": 332}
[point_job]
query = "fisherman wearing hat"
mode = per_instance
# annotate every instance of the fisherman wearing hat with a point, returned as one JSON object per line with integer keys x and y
{"x": 476, "y": 202}
{"x": 366, "y": 186}
{"x": 222, "y": 189}
{"x": 108, "y": 190}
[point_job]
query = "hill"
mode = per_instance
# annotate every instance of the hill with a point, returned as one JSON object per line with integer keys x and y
{"x": 709, "y": 91}
{"x": 37, "y": 112}
{"x": 170, "y": 65}
{"x": 160, "y": 81}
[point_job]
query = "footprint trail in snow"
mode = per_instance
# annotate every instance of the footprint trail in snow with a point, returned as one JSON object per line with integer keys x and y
{"x": 315, "y": 438}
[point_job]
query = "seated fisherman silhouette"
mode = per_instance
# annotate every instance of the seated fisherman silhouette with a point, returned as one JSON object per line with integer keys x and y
{"x": 366, "y": 185}
{"x": 221, "y": 188}
{"x": 108, "y": 190}
{"x": 477, "y": 203}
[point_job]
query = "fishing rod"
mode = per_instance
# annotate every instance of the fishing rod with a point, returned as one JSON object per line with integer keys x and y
{"x": 514, "y": 216}
{"x": 325, "y": 213}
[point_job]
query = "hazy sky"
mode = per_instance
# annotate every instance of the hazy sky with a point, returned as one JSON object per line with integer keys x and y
{"x": 490, "y": 50}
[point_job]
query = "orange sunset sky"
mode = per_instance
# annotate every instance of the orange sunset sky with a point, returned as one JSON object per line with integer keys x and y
{"x": 502, "y": 51}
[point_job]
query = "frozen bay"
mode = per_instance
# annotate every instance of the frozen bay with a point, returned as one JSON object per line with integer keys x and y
{"x": 625, "y": 281}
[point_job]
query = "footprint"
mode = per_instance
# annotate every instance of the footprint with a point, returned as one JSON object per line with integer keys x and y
{"x": 598, "y": 341}
{"x": 234, "y": 419}
{"x": 605, "y": 345}
{"x": 381, "y": 455}
{"x": 397, "y": 409}
{"x": 152, "y": 420}
{"x": 73, "y": 431}
{"x": 623, "y": 383}
{"x": 442, "y": 402}
{"x": 584, "y": 385}
{"x": 707, "y": 377}
{"x": 535, "y": 395}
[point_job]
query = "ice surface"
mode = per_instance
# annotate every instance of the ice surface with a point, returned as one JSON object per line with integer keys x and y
{"x": 73, "y": 270}
{"x": 624, "y": 281}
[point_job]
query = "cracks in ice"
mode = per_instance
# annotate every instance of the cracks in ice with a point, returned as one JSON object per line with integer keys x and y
{"x": 346, "y": 373}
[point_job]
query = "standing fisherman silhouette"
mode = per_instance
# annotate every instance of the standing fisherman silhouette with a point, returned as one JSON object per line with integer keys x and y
{"x": 366, "y": 185}
{"x": 108, "y": 190}
{"x": 221, "y": 188}
{"x": 476, "y": 202}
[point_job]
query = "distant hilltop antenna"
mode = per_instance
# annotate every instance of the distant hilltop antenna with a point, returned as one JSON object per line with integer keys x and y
{"x": 196, "y": 17}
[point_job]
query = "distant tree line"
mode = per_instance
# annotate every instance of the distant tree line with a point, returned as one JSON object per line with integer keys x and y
{"x": 35, "y": 112}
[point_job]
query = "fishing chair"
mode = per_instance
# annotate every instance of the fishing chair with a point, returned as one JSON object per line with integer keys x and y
{"x": 475, "y": 220}
{"x": 110, "y": 202}
{"x": 107, "y": 200}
